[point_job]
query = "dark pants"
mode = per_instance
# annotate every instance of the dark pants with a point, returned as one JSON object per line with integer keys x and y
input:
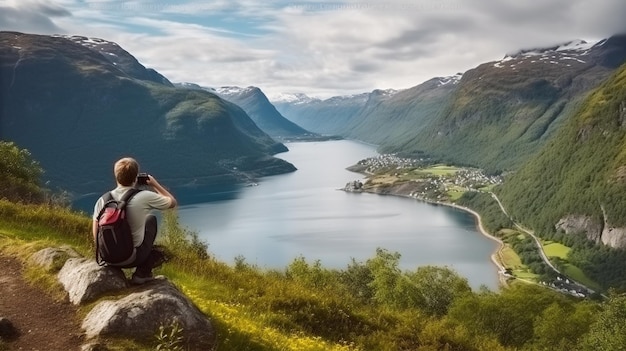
{"x": 142, "y": 262}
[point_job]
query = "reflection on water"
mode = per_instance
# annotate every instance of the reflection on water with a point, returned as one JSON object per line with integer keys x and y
{"x": 303, "y": 214}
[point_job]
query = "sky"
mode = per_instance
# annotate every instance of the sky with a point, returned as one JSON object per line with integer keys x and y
{"x": 319, "y": 48}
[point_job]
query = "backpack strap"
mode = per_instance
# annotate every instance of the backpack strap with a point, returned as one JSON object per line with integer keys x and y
{"x": 129, "y": 194}
{"x": 108, "y": 197}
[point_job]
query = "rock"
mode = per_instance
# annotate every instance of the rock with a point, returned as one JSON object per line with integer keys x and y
{"x": 84, "y": 280}
{"x": 573, "y": 224}
{"x": 94, "y": 346}
{"x": 53, "y": 258}
{"x": 7, "y": 330}
{"x": 614, "y": 237}
{"x": 354, "y": 186}
{"x": 139, "y": 316}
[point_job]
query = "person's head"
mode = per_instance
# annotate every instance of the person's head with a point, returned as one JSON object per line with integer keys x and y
{"x": 126, "y": 170}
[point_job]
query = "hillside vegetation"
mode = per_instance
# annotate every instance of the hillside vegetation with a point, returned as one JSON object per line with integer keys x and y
{"x": 581, "y": 173}
{"x": 370, "y": 305}
{"x": 514, "y": 106}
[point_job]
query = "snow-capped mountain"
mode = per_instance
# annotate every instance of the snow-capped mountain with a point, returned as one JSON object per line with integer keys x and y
{"x": 455, "y": 79}
{"x": 252, "y": 100}
{"x": 292, "y": 98}
{"x": 119, "y": 58}
{"x": 572, "y": 52}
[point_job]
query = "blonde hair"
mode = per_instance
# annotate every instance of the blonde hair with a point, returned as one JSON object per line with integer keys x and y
{"x": 126, "y": 170}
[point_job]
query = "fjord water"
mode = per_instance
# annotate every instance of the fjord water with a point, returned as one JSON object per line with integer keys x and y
{"x": 304, "y": 214}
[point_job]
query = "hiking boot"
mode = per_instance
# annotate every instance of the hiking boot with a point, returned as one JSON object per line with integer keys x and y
{"x": 157, "y": 257}
{"x": 139, "y": 278}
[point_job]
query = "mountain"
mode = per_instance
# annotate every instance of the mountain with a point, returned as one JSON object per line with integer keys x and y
{"x": 495, "y": 116}
{"x": 574, "y": 190}
{"x": 577, "y": 182}
{"x": 330, "y": 116}
{"x": 382, "y": 117}
{"x": 502, "y": 112}
{"x": 79, "y": 104}
{"x": 398, "y": 116}
{"x": 264, "y": 114}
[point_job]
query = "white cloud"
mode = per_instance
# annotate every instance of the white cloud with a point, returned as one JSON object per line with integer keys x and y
{"x": 321, "y": 48}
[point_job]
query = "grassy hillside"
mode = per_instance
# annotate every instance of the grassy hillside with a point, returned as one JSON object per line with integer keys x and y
{"x": 370, "y": 305}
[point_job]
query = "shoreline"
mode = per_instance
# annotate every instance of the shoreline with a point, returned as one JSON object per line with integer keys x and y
{"x": 502, "y": 276}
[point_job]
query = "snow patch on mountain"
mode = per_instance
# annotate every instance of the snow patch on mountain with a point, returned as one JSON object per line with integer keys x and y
{"x": 234, "y": 90}
{"x": 567, "y": 53}
{"x": 450, "y": 79}
{"x": 291, "y": 98}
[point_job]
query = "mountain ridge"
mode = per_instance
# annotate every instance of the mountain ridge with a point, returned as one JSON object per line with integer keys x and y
{"x": 63, "y": 98}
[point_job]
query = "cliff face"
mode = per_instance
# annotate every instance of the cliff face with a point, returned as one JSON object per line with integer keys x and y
{"x": 572, "y": 224}
{"x": 77, "y": 110}
{"x": 604, "y": 233}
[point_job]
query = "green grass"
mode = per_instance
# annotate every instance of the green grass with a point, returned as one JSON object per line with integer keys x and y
{"x": 488, "y": 188}
{"x": 510, "y": 259}
{"x": 553, "y": 249}
{"x": 455, "y": 194}
{"x": 442, "y": 170}
{"x": 302, "y": 307}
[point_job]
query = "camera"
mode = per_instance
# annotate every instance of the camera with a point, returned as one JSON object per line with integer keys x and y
{"x": 142, "y": 179}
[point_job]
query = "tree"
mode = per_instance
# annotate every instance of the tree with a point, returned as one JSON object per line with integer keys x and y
{"x": 19, "y": 174}
{"x": 437, "y": 288}
{"x": 386, "y": 275}
{"x": 560, "y": 326}
{"x": 509, "y": 315}
{"x": 608, "y": 332}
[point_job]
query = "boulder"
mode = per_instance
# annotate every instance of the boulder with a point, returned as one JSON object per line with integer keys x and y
{"x": 53, "y": 258}
{"x": 139, "y": 315}
{"x": 85, "y": 280}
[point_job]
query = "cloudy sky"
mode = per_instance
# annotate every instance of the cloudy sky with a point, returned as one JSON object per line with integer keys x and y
{"x": 321, "y": 48}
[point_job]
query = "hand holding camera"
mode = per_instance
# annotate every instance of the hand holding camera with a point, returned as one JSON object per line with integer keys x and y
{"x": 142, "y": 178}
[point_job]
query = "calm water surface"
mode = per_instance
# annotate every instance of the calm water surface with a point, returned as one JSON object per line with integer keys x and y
{"x": 303, "y": 214}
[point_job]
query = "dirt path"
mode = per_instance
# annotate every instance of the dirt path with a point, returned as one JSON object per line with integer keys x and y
{"x": 43, "y": 323}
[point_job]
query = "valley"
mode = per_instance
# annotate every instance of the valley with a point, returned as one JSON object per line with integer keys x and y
{"x": 444, "y": 185}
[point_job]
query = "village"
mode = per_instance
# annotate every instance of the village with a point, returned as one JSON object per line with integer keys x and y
{"x": 428, "y": 181}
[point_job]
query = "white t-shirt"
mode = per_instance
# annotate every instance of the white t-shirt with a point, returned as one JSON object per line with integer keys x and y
{"x": 137, "y": 209}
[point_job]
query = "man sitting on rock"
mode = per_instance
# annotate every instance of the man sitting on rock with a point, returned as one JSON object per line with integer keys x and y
{"x": 142, "y": 224}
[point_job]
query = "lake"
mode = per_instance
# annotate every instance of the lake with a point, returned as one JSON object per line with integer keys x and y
{"x": 304, "y": 214}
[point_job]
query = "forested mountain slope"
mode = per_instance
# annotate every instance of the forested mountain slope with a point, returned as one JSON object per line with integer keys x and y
{"x": 401, "y": 115}
{"x": 503, "y": 111}
{"x": 579, "y": 178}
{"x": 78, "y": 107}
{"x": 496, "y": 116}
